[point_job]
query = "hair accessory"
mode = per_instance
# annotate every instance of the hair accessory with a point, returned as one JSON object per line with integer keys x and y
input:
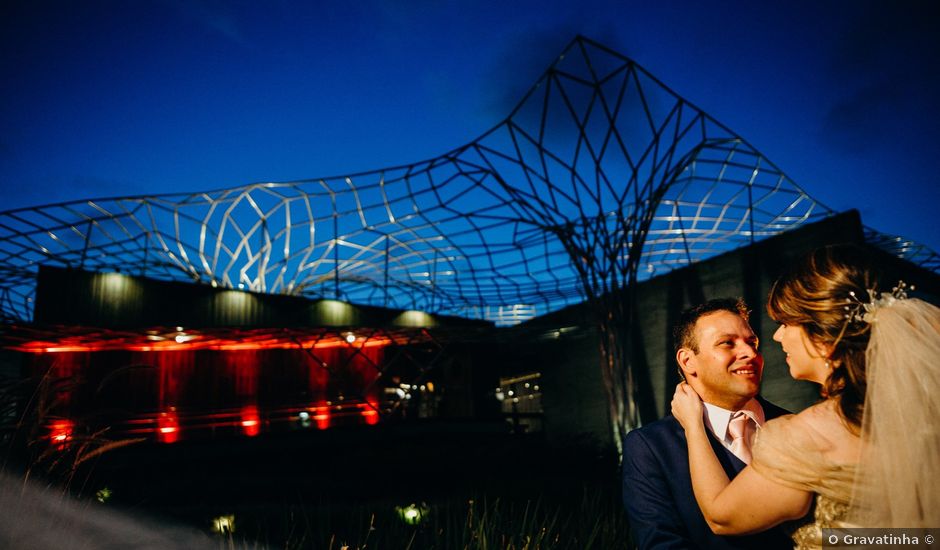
{"x": 864, "y": 312}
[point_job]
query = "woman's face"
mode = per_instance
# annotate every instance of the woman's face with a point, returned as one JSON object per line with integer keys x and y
{"x": 806, "y": 359}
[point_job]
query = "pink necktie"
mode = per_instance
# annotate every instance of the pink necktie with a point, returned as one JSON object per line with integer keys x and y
{"x": 737, "y": 428}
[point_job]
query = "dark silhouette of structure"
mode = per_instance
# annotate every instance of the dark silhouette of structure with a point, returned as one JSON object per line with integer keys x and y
{"x": 601, "y": 177}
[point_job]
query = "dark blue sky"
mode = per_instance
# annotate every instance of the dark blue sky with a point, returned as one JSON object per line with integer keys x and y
{"x": 106, "y": 98}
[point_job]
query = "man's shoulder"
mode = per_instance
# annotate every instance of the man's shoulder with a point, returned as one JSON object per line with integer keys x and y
{"x": 664, "y": 430}
{"x": 650, "y": 451}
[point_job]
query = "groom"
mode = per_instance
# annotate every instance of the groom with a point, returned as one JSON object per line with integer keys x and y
{"x": 717, "y": 354}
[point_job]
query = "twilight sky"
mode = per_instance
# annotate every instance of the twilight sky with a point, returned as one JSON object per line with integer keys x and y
{"x": 110, "y": 97}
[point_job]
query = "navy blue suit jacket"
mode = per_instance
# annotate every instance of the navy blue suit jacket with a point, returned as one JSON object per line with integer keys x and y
{"x": 657, "y": 491}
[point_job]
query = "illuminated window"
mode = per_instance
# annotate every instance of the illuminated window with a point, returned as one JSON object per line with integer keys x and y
{"x": 521, "y": 400}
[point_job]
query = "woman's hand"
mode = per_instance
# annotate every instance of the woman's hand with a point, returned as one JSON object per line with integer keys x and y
{"x": 687, "y": 407}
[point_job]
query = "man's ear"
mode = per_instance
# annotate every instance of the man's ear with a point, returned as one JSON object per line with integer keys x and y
{"x": 685, "y": 357}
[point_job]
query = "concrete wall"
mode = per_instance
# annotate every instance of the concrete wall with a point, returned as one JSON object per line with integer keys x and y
{"x": 119, "y": 301}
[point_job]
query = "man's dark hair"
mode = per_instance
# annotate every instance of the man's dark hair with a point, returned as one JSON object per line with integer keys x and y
{"x": 683, "y": 334}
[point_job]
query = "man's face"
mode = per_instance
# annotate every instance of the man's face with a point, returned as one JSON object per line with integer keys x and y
{"x": 726, "y": 370}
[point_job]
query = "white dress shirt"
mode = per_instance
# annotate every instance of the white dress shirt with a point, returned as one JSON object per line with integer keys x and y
{"x": 717, "y": 419}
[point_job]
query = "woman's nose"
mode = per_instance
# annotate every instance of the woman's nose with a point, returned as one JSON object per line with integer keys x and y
{"x": 778, "y": 334}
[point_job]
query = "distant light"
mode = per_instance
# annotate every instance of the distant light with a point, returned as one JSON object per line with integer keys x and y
{"x": 350, "y": 338}
{"x": 323, "y": 419}
{"x": 180, "y": 338}
{"x": 511, "y": 393}
{"x": 370, "y": 414}
{"x": 414, "y": 318}
{"x": 113, "y": 281}
{"x": 168, "y": 427}
{"x": 431, "y": 387}
{"x": 223, "y": 524}
{"x": 336, "y": 313}
{"x": 60, "y": 431}
{"x": 103, "y": 494}
{"x": 251, "y": 421}
{"x": 412, "y": 514}
{"x": 179, "y": 329}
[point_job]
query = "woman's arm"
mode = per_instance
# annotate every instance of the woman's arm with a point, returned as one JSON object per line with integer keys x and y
{"x": 747, "y": 504}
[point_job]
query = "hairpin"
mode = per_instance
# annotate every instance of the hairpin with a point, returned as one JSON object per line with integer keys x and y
{"x": 859, "y": 311}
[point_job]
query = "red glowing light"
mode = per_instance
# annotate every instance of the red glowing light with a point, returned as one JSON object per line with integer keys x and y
{"x": 323, "y": 366}
{"x": 168, "y": 427}
{"x": 60, "y": 431}
{"x": 207, "y": 342}
{"x": 251, "y": 421}
{"x": 370, "y": 412}
{"x": 321, "y": 415}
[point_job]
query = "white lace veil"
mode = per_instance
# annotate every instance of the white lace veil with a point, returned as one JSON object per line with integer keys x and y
{"x": 898, "y": 481}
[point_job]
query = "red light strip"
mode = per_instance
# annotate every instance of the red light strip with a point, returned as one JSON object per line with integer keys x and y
{"x": 213, "y": 344}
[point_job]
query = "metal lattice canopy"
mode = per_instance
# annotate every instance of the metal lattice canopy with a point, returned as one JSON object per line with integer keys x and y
{"x": 601, "y": 169}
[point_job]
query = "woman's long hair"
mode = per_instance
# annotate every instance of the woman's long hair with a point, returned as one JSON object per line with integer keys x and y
{"x": 814, "y": 295}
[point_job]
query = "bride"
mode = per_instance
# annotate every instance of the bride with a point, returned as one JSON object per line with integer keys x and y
{"x": 868, "y": 455}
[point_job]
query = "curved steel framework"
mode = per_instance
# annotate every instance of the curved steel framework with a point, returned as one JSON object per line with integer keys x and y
{"x": 599, "y": 164}
{"x": 601, "y": 176}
